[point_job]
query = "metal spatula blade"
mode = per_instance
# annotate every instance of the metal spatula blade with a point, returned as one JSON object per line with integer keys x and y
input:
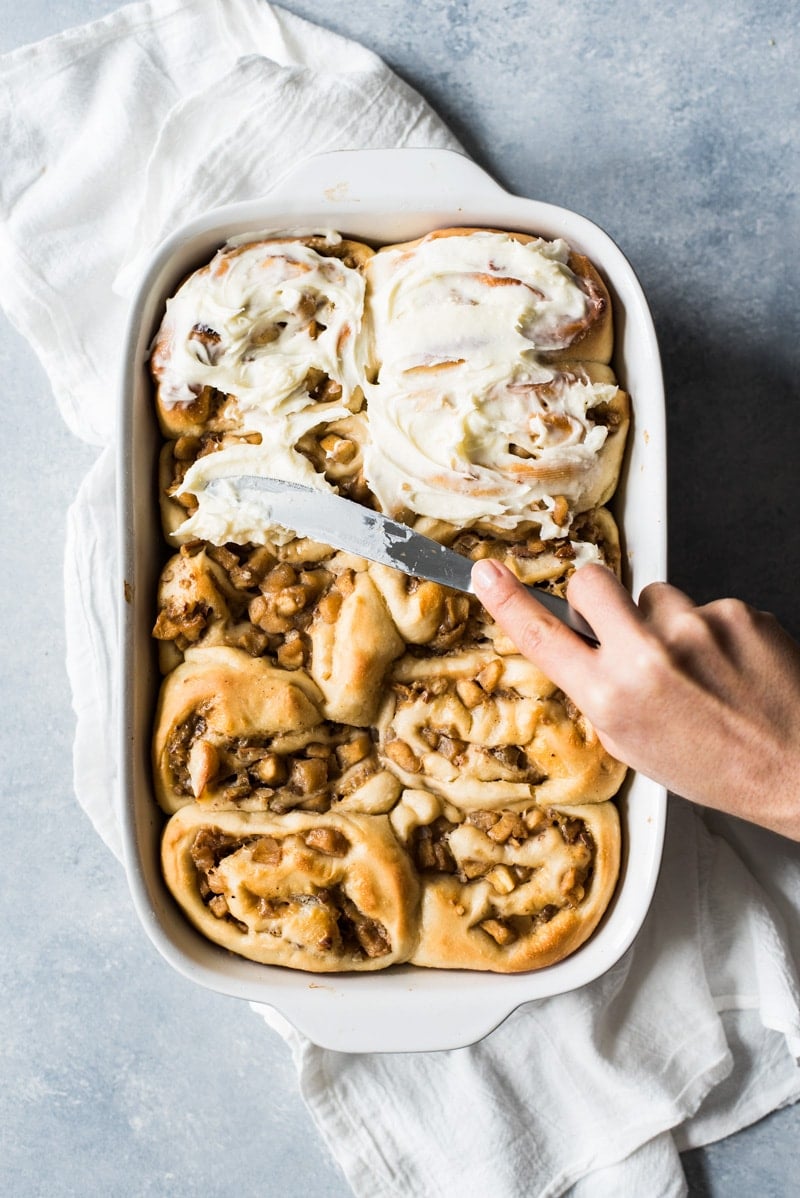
{"x": 343, "y": 524}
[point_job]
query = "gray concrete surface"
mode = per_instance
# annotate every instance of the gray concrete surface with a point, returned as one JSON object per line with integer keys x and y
{"x": 674, "y": 127}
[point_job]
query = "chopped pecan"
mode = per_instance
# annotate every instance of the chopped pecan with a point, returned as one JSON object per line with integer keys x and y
{"x": 202, "y": 764}
{"x": 483, "y": 819}
{"x": 218, "y": 906}
{"x": 293, "y": 653}
{"x": 509, "y": 825}
{"x": 489, "y": 677}
{"x": 501, "y": 879}
{"x": 371, "y": 935}
{"x": 430, "y": 848}
{"x": 354, "y": 750}
{"x": 470, "y": 693}
{"x": 267, "y": 851}
{"x": 308, "y": 774}
{"x": 270, "y": 769}
{"x": 279, "y": 578}
{"x": 329, "y": 841}
{"x": 500, "y": 931}
{"x": 329, "y": 606}
{"x": 404, "y": 756}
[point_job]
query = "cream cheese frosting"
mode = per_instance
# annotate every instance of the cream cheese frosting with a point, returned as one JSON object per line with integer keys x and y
{"x": 466, "y": 420}
{"x": 483, "y": 297}
{"x": 241, "y": 515}
{"x": 460, "y": 453}
{"x": 256, "y": 321}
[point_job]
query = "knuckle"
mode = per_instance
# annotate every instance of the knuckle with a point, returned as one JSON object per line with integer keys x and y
{"x": 653, "y": 591}
{"x": 686, "y": 629}
{"x": 603, "y": 702}
{"x": 532, "y": 635}
{"x": 586, "y": 579}
{"x": 731, "y": 611}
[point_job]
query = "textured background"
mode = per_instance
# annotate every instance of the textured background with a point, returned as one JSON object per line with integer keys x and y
{"x": 674, "y": 127}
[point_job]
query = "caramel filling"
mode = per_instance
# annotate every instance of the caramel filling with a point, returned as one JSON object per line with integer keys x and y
{"x": 276, "y": 774}
{"x": 325, "y": 919}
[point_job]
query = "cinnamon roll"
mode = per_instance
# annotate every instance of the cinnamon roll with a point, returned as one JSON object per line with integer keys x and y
{"x": 234, "y": 732}
{"x": 483, "y": 730}
{"x": 511, "y": 889}
{"x": 266, "y": 328}
{"x": 317, "y": 892}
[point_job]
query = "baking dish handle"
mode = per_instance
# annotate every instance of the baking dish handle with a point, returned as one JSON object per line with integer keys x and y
{"x": 347, "y": 178}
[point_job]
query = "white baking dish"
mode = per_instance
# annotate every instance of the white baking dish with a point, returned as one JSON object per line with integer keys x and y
{"x": 380, "y": 196}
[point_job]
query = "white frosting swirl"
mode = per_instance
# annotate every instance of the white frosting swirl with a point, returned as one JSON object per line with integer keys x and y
{"x": 482, "y": 297}
{"x": 467, "y": 422}
{"x": 256, "y": 320}
{"x": 448, "y": 451}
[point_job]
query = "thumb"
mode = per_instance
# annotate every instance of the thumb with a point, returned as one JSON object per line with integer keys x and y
{"x": 557, "y": 651}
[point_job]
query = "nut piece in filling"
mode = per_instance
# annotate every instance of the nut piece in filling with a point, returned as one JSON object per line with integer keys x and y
{"x": 511, "y": 889}
{"x": 317, "y": 892}
{"x": 235, "y": 732}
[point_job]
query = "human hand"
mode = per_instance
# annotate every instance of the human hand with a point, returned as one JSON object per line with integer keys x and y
{"x": 704, "y": 699}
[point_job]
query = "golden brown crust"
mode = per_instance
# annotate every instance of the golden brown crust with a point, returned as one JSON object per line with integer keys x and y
{"x": 484, "y": 730}
{"x": 514, "y": 903}
{"x": 318, "y": 892}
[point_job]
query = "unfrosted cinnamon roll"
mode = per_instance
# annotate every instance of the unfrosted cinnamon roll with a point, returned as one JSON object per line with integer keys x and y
{"x": 233, "y": 731}
{"x": 483, "y": 730}
{"x": 317, "y": 892}
{"x": 511, "y": 889}
{"x": 536, "y": 560}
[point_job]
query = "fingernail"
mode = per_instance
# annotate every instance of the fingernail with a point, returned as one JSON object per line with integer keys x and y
{"x": 486, "y": 573}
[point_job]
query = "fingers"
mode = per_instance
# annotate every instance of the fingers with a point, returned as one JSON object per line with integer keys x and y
{"x": 599, "y": 596}
{"x": 659, "y": 602}
{"x": 558, "y": 652}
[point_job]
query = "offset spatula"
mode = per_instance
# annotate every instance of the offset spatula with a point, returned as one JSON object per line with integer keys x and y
{"x": 342, "y": 524}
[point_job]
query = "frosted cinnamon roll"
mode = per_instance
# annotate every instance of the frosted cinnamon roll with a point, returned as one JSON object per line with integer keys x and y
{"x": 508, "y": 449}
{"x": 483, "y": 296}
{"x": 317, "y": 892}
{"x": 508, "y": 890}
{"x": 483, "y": 730}
{"x": 267, "y": 328}
{"x": 326, "y": 453}
{"x": 232, "y": 731}
{"x": 493, "y": 395}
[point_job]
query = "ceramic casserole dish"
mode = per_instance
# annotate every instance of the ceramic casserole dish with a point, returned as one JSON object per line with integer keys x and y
{"x": 378, "y": 196}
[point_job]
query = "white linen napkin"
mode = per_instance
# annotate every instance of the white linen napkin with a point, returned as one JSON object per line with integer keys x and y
{"x": 112, "y": 134}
